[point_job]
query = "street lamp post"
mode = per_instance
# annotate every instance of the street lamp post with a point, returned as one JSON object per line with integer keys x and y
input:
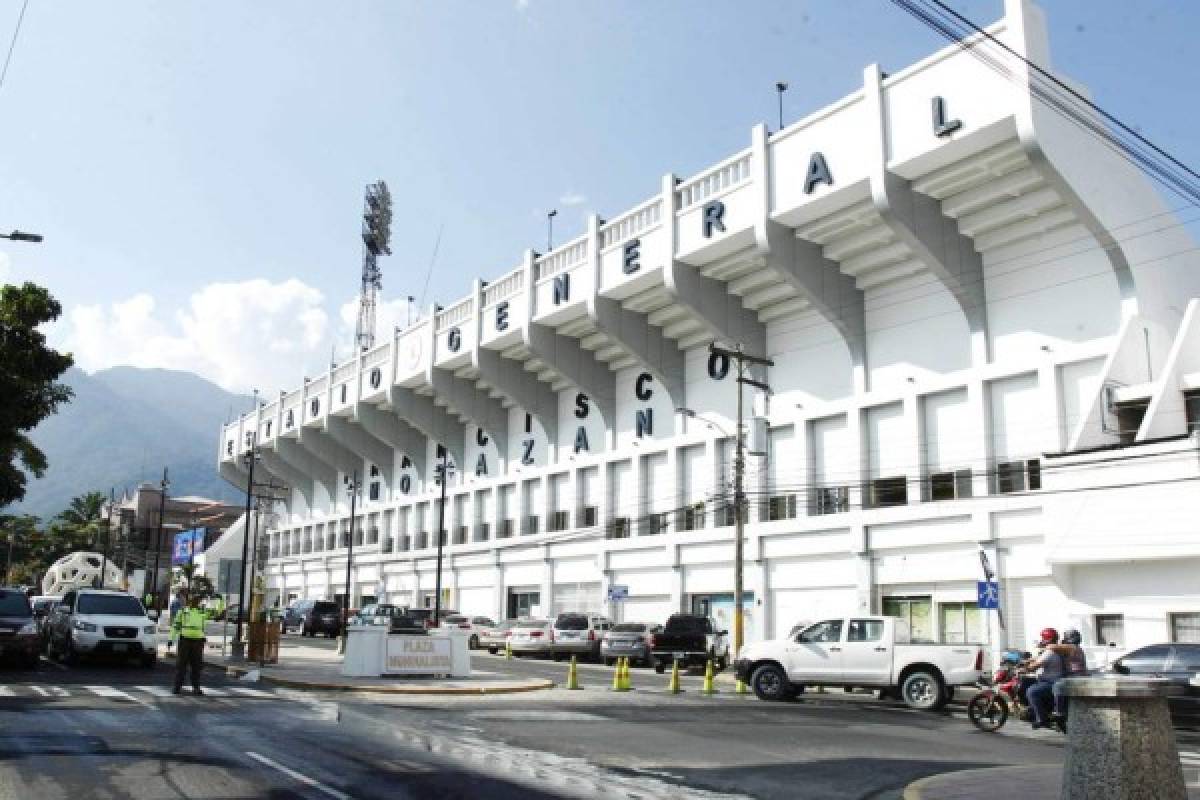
{"x": 780, "y": 88}
{"x": 163, "y": 485}
{"x": 550, "y": 215}
{"x": 238, "y": 647}
{"x": 443, "y": 475}
{"x": 352, "y": 486}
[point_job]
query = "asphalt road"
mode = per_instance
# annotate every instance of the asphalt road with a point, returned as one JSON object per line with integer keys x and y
{"x": 103, "y": 731}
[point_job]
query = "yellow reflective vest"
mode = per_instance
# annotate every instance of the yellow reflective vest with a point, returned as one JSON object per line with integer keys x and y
{"x": 189, "y": 623}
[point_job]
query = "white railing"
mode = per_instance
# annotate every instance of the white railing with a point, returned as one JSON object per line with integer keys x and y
{"x": 378, "y": 356}
{"x": 291, "y": 401}
{"x": 632, "y": 223}
{"x": 563, "y": 258}
{"x": 454, "y": 315}
{"x": 504, "y": 287}
{"x": 344, "y": 372}
{"x": 725, "y": 175}
{"x": 317, "y": 386}
{"x": 270, "y": 410}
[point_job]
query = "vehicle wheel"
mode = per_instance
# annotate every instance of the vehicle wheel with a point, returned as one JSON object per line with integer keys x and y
{"x": 31, "y": 664}
{"x": 771, "y": 683}
{"x": 660, "y": 667}
{"x": 556, "y": 656}
{"x": 608, "y": 662}
{"x": 473, "y": 642}
{"x": 493, "y": 650}
{"x": 923, "y": 690}
{"x": 722, "y": 662}
{"x": 149, "y": 662}
{"x": 69, "y": 656}
{"x": 987, "y": 711}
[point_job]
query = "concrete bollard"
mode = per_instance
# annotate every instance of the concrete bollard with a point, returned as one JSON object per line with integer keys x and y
{"x": 1120, "y": 743}
{"x": 573, "y": 675}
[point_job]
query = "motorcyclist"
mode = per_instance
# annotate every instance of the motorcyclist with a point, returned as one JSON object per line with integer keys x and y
{"x": 1049, "y": 668}
{"x": 1074, "y": 663}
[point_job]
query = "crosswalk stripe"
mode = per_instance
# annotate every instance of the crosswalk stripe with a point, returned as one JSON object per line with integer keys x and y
{"x": 6, "y": 692}
{"x": 215, "y": 692}
{"x": 40, "y": 691}
{"x": 58, "y": 691}
{"x": 107, "y": 691}
{"x": 242, "y": 690}
{"x": 157, "y": 691}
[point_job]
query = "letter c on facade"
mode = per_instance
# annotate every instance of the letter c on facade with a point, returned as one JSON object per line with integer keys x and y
{"x": 640, "y": 388}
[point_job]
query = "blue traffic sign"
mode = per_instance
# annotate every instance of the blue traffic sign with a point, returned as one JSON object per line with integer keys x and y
{"x": 988, "y": 595}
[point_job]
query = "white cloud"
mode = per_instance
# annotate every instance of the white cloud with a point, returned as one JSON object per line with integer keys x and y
{"x": 239, "y": 335}
{"x": 573, "y": 199}
{"x": 522, "y": 5}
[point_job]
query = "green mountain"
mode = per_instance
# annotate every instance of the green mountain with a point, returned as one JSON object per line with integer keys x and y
{"x": 122, "y": 427}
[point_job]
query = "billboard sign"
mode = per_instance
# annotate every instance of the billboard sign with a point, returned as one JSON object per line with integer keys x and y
{"x": 188, "y": 545}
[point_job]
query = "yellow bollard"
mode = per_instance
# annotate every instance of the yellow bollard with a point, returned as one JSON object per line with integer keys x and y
{"x": 739, "y": 687}
{"x": 708, "y": 687}
{"x": 673, "y": 686}
{"x": 617, "y": 685}
{"x": 573, "y": 675}
{"x": 626, "y": 677}
{"x": 507, "y": 651}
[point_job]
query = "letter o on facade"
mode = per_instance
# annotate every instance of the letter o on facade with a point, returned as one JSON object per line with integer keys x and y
{"x": 454, "y": 340}
{"x": 718, "y": 366}
{"x": 405, "y": 484}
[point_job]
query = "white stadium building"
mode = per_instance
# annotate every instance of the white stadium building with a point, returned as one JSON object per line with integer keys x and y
{"x": 986, "y": 340}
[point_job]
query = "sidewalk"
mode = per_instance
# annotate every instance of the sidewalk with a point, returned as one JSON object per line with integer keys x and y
{"x": 305, "y": 667}
{"x": 1036, "y": 782}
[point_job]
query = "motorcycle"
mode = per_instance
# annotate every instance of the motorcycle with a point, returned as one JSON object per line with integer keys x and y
{"x": 997, "y": 700}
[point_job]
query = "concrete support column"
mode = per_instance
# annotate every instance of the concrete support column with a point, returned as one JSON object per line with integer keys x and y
{"x": 981, "y": 437}
{"x": 712, "y": 461}
{"x": 864, "y": 569}
{"x": 547, "y": 590}
{"x": 677, "y": 586}
{"x": 499, "y": 593}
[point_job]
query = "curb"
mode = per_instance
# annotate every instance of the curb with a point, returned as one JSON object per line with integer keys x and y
{"x": 291, "y": 683}
{"x": 917, "y": 790}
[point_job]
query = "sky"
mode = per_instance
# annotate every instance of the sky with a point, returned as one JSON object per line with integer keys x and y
{"x": 197, "y": 168}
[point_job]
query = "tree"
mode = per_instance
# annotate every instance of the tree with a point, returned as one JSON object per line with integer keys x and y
{"x": 29, "y": 373}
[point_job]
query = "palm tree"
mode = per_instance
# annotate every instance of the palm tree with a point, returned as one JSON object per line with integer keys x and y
{"x": 83, "y": 519}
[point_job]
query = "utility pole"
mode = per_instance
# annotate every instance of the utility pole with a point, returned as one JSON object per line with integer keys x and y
{"x": 8, "y": 564}
{"x": 443, "y": 474}
{"x": 112, "y": 501}
{"x": 162, "y": 506}
{"x": 352, "y": 486}
{"x": 238, "y": 647}
{"x": 550, "y": 215}
{"x": 780, "y": 88}
{"x": 739, "y": 474}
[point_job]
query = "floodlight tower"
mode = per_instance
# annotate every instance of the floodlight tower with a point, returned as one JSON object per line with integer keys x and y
{"x": 376, "y": 234}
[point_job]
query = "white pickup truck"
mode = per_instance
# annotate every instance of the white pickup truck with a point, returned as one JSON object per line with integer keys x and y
{"x": 863, "y": 652}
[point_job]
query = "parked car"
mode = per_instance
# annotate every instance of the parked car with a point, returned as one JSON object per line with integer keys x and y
{"x": 20, "y": 638}
{"x": 375, "y": 614}
{"x": 102, "y": 622}
{"x": 868, "y": 652}
{"x": 42, "y": 605}
{"x": 532, "y": 637}
{"x": 322, "y": 616}
{"x": 495, "y": 637}
{"x": 690, "y": 639}
{"x": 1179, "y": 664}
{"x": 629, "y": 640}
{"x": 425, "y": 615}
{"x": 576, "y": 633}
{"x": 476, "y": 625}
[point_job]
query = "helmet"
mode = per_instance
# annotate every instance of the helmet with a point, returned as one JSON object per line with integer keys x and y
{"x": 1048, "y": 636}
{"x": 1072, "y": 636}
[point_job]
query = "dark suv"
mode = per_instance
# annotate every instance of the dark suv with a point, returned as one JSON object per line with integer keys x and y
{"x": 19, "y": 635}
{"x": 319, "y": 616}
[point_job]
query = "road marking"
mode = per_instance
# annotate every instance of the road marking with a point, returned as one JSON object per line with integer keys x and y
{"x": 157, "y": 691}
{"x": 108, "y": 691}
{"x": 250, "y": 692}
{"x": 59, "y": 691}
{"x": 6, "y": 692}
{"x": 296, "y": 776}
{"x": 40, "y": 691}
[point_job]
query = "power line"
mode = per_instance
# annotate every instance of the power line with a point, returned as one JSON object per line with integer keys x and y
{"x": 437, "y": 243}
{"x": 1049, "y": 90}
{"x": 12, "y": 44}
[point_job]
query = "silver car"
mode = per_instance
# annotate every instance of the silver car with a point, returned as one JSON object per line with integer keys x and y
{"x": 532, "y": 637}
{"x": 496, "y": 637}
{"x": 628, "y": 640}
{"x": 579, "y": 633}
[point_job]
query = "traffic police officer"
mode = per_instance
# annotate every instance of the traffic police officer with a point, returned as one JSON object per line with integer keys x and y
{"x": 188, "y": 627}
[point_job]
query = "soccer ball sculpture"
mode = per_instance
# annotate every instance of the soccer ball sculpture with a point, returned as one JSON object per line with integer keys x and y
{"x": 80, "y": 570}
